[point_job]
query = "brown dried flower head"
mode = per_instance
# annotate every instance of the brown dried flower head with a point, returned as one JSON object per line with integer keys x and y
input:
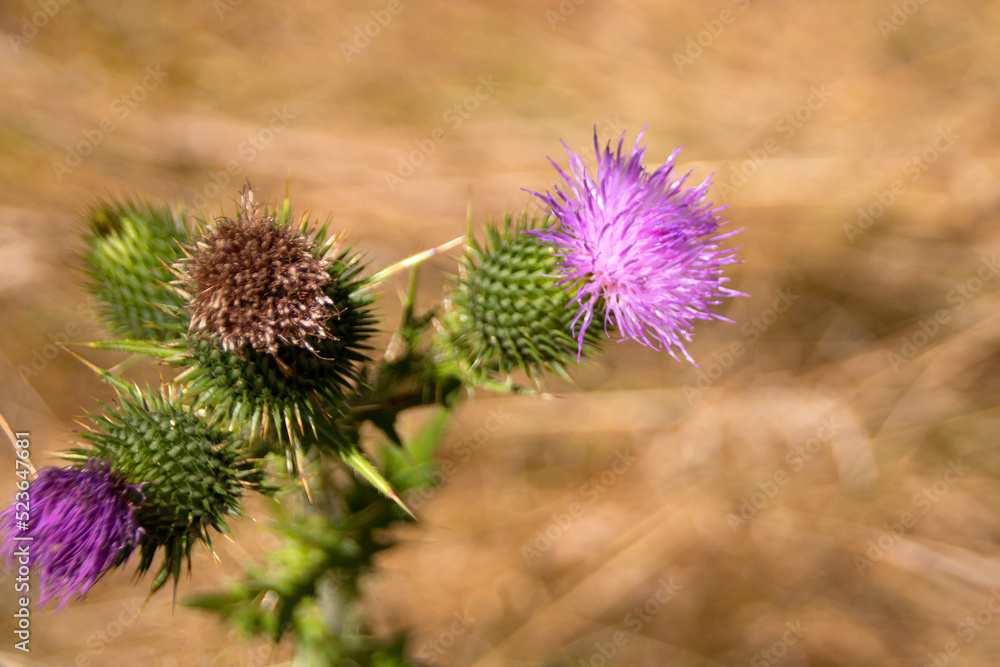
{"x": 256, "y": 280}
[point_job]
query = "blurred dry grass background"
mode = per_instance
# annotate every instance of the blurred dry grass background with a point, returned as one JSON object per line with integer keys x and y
{"x": 540, "y": 542}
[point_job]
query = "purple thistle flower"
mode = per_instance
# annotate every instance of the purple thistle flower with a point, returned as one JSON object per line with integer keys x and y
{"x": 639, "y": 246}
{"x": 81, "y": 523}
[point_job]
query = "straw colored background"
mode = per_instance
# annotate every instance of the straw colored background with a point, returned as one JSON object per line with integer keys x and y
{"x": 564, "y": 516}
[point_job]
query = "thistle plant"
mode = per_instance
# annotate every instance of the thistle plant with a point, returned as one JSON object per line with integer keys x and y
{"x": 265, "y": 328}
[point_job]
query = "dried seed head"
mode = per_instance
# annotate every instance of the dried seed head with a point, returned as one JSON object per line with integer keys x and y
{"x": 257, "y": 281}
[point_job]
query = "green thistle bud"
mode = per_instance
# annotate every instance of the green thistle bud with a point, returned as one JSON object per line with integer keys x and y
{"x": 191, "y": 472}
{"x": 130, "y": 246}
{"x": 507, "y": 310}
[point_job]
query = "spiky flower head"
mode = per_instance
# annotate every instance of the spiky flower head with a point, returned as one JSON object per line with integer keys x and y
{"x": 639, "y": 245}
{"x": 255, "y": 280}
{"x": 285, "y": 392}
{"x": 192, "y": 472}
{"x": 130, "y": 246}
{"x": 81, "y": 523}
{"x": 508, "y": 309}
